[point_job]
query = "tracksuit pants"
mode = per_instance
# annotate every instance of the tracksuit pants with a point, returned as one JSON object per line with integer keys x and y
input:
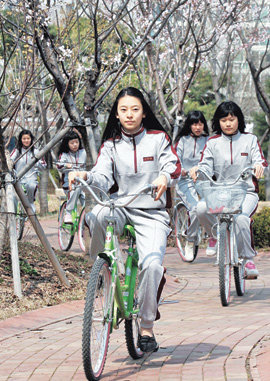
{"x": 72, "y": 198}
{"x": 152, "y": 229}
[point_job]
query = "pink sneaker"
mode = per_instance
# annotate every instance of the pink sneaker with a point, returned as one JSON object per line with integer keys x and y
{"x": 212, "y": 247}
{"x": 250, "y": 270}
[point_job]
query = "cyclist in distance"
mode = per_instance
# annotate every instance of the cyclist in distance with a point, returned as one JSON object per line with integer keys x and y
{"x": 190, "y": 142}
{"x": 136, "y": 151}
{"x": 30, "y": 179}
{"x": 232, "y": 148}
{"x": 71, "y": 156}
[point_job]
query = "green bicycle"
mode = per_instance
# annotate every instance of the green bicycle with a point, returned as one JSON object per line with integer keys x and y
{"x": 66, "y": 231}
{"x": 111, "y": 297}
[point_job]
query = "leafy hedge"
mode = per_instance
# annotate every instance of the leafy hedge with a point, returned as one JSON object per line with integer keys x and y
{"x": 261, "y": 228}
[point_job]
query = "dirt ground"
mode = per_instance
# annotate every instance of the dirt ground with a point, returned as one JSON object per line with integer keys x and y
{"x": 40, "y": 283}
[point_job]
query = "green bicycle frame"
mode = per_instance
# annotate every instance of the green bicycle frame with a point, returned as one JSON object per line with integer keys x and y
{"x": 121, "y": 296}
{"x": 73, "y": 228}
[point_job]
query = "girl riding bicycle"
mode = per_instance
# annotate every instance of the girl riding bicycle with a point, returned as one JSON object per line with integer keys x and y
{"x": 233, "y": 148}
{"x": 72, "y": 156}
{"x": 137, "y": 151}
{"x": 190, "y": 142}
{"x": 30, "y": 179}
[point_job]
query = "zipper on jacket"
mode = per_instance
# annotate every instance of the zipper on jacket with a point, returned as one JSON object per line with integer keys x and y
{"x": 231, "y": 150}
{"x": 195, "y": 141}
{"x": 135, "y": 154}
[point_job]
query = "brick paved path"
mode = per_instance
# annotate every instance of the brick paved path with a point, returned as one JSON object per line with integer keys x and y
{"x": 199, "y": 339}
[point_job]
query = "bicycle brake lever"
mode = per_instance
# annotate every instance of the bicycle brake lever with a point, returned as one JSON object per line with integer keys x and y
{"x": 154, "y": 191}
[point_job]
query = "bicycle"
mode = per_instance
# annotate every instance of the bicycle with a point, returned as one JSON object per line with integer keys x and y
{"x": 66, "y": 231}
{"x": 181, "y": 223}
{"x": 224, "y": 200}
{"x": 111, "y": 293}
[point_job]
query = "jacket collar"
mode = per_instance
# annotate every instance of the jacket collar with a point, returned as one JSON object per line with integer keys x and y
{"x": 127, "y": 137}
{"x": 231, "y": 137}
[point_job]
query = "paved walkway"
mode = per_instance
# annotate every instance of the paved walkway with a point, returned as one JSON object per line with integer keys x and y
{"x": 199, "y": 339}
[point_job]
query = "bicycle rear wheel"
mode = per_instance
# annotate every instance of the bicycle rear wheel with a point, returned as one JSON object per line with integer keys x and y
{"x": 20, "y": 221}
{"x": 224, "y": 264}
{"x": 239, "y": 279}
{"x": 82, "y": 232}
{"x": 65, "y": 231}
{"x": 96, "y": 324}
{"x": 181, "y": 222}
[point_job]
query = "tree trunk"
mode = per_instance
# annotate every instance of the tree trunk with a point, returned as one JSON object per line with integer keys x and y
{"x": 43, "y": 191}
{"x": 3, "y": 222}
{"x": 267, "y": 176}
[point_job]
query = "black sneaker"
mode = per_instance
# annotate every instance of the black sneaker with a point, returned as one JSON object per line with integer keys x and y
{"x": 147, "y": 343}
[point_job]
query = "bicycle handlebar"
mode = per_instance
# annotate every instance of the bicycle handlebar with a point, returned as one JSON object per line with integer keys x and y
{"x": 244, "y": 175}
{"x": 145, "y": 189}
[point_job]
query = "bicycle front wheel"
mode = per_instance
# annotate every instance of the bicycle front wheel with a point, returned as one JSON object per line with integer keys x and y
{"x": 224, "y": 264}
{"x": 82, "y": 230}
{"x": 96, "y": 323}
{"x": 65, "y": 231}
{"x": 181, "y": 222}
{"x": 20, "y": 221}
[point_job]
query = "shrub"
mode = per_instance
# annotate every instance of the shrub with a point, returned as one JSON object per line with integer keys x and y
{"x": 262, "y": 190}
{"x": 261, "y": 228}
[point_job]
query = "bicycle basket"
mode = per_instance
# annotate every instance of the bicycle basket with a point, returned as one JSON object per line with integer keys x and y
{"x": 224, "y": 199}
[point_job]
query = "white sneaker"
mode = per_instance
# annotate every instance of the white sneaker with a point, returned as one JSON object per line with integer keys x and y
{"x": 212, "y": 247}
{"x": 67, "y": 218}
{"x": 189, "y": 251}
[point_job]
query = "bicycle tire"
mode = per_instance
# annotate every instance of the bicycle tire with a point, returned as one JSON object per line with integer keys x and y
{"x": 239, "y": 279}
{"x": 131, "y": 334}
{"x": 81, "y": 230}
{"x": 95, "y": 339}
{"x": 224, "y": 264}
{"x": 65, "y": 236}
{"x": 180, "y": 225}
{"x": 20, "y": 221}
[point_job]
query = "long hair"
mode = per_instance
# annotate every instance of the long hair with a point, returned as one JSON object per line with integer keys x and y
{"x": 194, "y": 116}
{"x": 223, "y": 110}
{"x": 64, "y": 144}
{"x": 19, "y": 142}
{"x": 113, "y": 126}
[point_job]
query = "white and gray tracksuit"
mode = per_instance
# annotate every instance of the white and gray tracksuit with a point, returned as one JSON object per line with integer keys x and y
{"x": 29, "y": 180}
{"x": 189, "y": 150}
{"x": 133, "y": 162}
{"x": 78, "y": 160}
{"x": 227, "y": 156}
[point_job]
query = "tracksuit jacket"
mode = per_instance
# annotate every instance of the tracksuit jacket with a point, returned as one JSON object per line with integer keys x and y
{"x": 133, "y": 162}
{"x": 225, "y": 157}
{"x": 189, "y": 150}
{"x": 25, "y": 160}
{"x": 224, "y": 153}
{"x": 77, "y": 159}
{"x": 30, "y": 178}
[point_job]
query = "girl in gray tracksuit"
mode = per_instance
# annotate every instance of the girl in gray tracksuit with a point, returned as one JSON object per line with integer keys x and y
{"x": 72, "y": 156}
{"x": 136, "y": 151}
{"x": 22, "y": 152}
{"x": 190, "y": 142}
{"x": 227, "y": 153}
